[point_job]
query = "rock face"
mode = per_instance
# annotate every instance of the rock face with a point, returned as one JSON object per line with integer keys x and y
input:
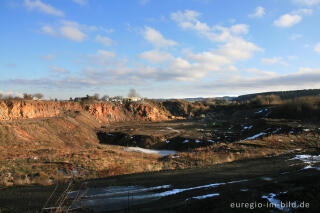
{"x": 103, "y": 111}
{"x": 110, "y": 112}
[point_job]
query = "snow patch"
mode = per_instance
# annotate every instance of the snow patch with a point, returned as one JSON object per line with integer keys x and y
{"x": 276, "y": 203}
{"x": 248, "y": 127}
{"x": 150, "y": 151}
{"x": 275, "y": 131}
{"x": 255, "y": 136}
{"x": 206, "y": 196}
{"x": 261, "y": 110}
{"x": 266, "y": 178}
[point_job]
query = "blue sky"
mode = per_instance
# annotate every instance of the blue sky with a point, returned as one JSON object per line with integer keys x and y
{"x": 163, "y": 49}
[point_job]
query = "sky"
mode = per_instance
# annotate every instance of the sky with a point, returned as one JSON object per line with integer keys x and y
{"x": 162, "y": 48}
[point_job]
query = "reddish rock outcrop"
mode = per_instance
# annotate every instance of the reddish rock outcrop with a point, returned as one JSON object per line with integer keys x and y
{"x": 111, "y": 112}
{"x": 35, "y": 109}
{"x": 103, "y": 111}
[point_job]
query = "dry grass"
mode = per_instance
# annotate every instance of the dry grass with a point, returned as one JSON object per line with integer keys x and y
{"x": 103, "y": 161}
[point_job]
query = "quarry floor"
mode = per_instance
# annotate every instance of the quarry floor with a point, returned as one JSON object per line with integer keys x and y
{"x": 285, "y": 178}
{"x": 253, "y": 149}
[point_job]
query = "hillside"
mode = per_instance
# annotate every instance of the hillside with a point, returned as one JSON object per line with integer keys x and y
{"x": 284, "y": 95}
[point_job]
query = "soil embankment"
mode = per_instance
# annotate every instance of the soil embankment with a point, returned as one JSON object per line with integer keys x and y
{"x": 103, "y": 111}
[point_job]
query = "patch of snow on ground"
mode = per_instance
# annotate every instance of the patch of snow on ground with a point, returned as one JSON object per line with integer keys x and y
{"x": 206, "y": 196}
{"x": 176, "y": 191}
{"x": 247, "y": 127}
{"x": 310, "y": 160}
{"x": 275, "y": 131}
{"x": 150, "y": 151}
{"x": 307, "y": 158}
{"x": 261, "y": 110}
{"x": 255, "y": 136}
{"x": 102, "y": 197}
{"x": 275, "y": 202}
{"x": 267, "y": 178}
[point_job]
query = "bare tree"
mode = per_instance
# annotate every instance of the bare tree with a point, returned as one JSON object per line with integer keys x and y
{"x": 133, "y": 93}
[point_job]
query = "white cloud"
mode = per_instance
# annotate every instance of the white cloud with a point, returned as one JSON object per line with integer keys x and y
{"x": 55, "y": 69}
{"x": 69, "y": 30}
{"x": 239, "y": 29}
{"x": 76, "y": 32}
{"x": 106, "y": 41}
{"x": 72, "y": 33}
{"x": 42, "y": 7}
{"x": 317, "y": 48}
{"x": 303, "y": 11}
{"x": 238, "y": 49}
{"x": 295, "y": 36}
{"x": 302, "y": 79}
{"x": 195, "y": 65}
{"x": 260, "y": 72}
{"x": 210, "y": 58}
{"x": 101, "y": 57}
{"x": 189, "y": 20}
{"x": 80, "y": 2}
{"x": 274, "y": 60}
{"x": 287, "y": 20}
{"x": 259, "y": 12}
{"x": 83, "y": 27}
{"x": 303, "y": 70}
{"x": 156, "y": 56}
{"x": 307, "y": 2}
{"x": 11, "y": 93}
{"x": 48, "y": 30}
{"x": 156, "y": 38}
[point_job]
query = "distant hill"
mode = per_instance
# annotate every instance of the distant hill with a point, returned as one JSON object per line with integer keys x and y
{"x": 284, "y": 95}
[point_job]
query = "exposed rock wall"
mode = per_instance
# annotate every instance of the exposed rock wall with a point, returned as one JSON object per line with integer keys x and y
{"x": 103, "y": 111}
{"x": 10, "y": 110}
